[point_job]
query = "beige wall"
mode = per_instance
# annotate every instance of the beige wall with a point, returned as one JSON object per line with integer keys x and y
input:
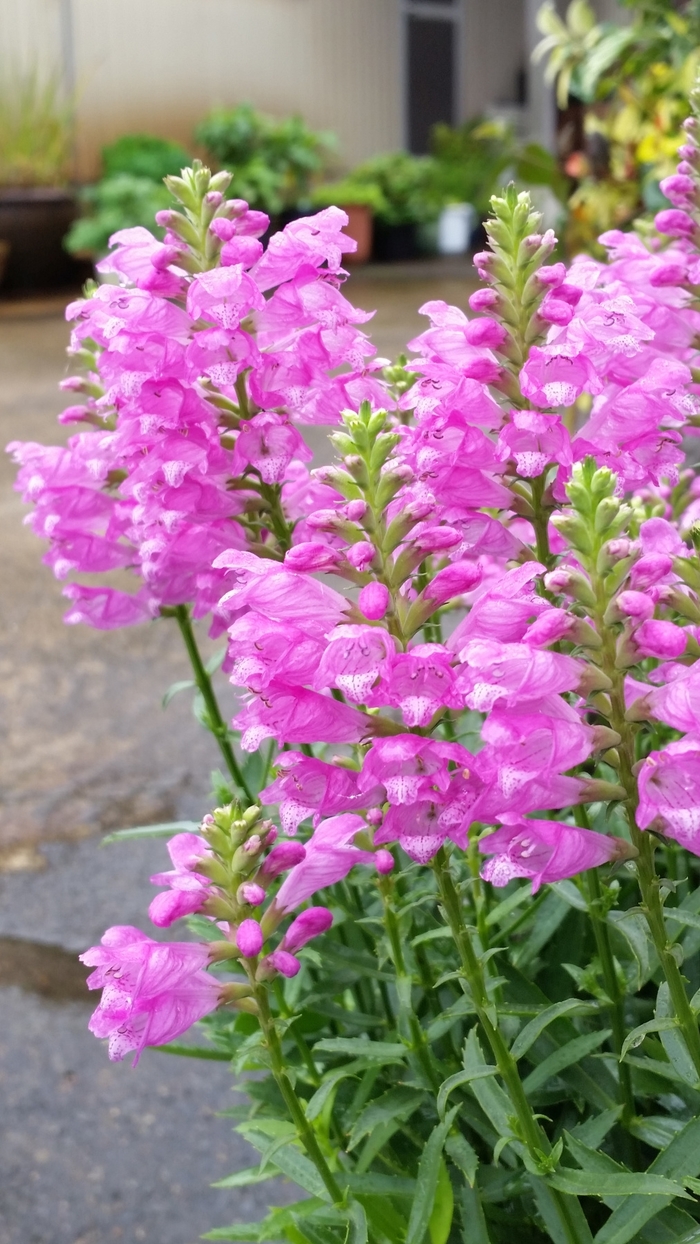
{"x": 161, "y": 64}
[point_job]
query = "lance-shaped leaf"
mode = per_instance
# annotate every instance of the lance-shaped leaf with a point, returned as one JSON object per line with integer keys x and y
{"x": 531, "y": 1031}
{"x": 681, "y": 1158}
{"x": 567, "y": 1054}
{"x": 397, "y": 1105}
{"x": 427, "y": 1181}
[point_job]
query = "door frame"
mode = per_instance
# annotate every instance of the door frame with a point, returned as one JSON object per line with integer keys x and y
{"x": 454, "y": 12}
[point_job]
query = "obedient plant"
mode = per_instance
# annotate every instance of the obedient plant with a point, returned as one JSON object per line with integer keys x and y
{"x": 448, "y": 908}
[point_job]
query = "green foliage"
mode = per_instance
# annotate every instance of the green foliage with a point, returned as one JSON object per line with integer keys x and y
{"x": 273, "y": 162}
{"x": 143, "y": 155}
{"x": 397, "y": 186}
{"x": 634, "y": 82}
{"x": 35, "y": 131}
{"x": 470, "y": 161}
{"x": 118, "y": 202}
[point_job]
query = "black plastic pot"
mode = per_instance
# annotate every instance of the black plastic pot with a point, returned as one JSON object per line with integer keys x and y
{"x": 395, "y": 242}
{"x": 34, "y": 222}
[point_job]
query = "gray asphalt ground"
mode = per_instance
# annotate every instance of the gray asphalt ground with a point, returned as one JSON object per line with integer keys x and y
{"x": 92, "y": 1152}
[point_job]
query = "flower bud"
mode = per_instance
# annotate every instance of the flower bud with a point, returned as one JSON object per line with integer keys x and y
{"x": 251, "y": 893}
{"x": 675, "y": 223}
{"x": 355, "y": 510}
{"x": 249, "y": 938}
{"x": 571, "y": 583}
{"x": 282, "y": 856}
{"x": 453, "y": 581}
{"x": 384, "y": 861}
{"x": 361, "y": 555}
{"x": 312, "y": 555}
{"x": 663, "y": 640}
{"x": 551, "y": 275}
{"x": 213, "y": 198}
{"x": 373, "y": 601}
{"x": 485, "y": 332}
{"x": 310, "y": 923}
{"x": 630, "y": 604}
{"x": 649, "y": 570}
{"x": 484, "y": 299}
{"x": 279, "y": 961}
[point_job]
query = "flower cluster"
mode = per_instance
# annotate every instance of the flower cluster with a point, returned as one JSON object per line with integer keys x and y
{"x": 199, "y": 365}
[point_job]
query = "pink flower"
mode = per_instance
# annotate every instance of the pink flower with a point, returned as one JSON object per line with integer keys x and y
{"x": 557, "y": 375}
{"x": 677, "y": 703}
{"x": 419, "y": 682}
{"x": 417, "y": 830}
{"x": 297, "y": 715}
{"x": 268, "y": 443}
{"x": 224, "y": 296}
{"x": 534, "y": 441}
{"x": 546, "y": 851}
{"x": 512, "y": 673}
{"x": 663, "y": 640}
{"x": 188, "y": 888}
{"x": 305, "y": 786}
{"x": 354, "y": 659}
{"x": 411, "y": 768}
{"x": 453, "y": 580}
{"x": 505, "y": 610}
{"x": 675, "y": 223}
{"x": 669, "y": 793}
{"x": 330, "y": 854}
{"x": 282, "y": 857}
{"x": 152, "y": 992}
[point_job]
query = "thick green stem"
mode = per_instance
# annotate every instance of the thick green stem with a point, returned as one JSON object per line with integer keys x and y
{"x": 531, "y": 1133}
{"x": 540, "y": 522}
{"x": 217, "y": 725}
{"x": 305, "y": 1132}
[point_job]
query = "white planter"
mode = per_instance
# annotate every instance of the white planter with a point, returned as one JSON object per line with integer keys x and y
{"x": 456, "y": 224}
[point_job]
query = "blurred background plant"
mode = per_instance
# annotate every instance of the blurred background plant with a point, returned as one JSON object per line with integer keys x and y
{"x": 130, "y": 192}
{"x": 36, "y": 131}
{"x": 274, "y": 162}
{"x": 621, "y": 92}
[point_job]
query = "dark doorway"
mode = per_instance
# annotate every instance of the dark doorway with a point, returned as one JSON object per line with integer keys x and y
{"x": 431, "y": 77}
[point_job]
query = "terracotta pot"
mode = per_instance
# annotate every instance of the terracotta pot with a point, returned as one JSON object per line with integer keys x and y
{"x": 360, "y": 227}
{"x": 34, "y": 222}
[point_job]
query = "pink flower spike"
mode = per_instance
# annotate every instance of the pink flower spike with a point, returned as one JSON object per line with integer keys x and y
{"x": 308, "y": 924}
{"x": 546, "y": 851}
{"x": 249, "y": 938}
{"x": 152, "y": 992}
{"x": 373, "y": 601}
{"x": 669, "y": 793}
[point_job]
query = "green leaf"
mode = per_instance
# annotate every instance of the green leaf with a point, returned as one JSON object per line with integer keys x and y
{"x": 176, "y": 687}
{"x": 592, "y": 1133}
{"x": 657, "y": 1130}
{"x": 242, "y": 1179}
{"x": 567, "y": 1054}
{"x": 474, "y": 1228}
{"x": 315, "y": 1104}
{"x": 295, "y": 1165}
{"x": 440, "y": 1220}
{"x": 427, "y": 1181}
{"x": 151, "y": 831}
{"x": 457, "y": 1148}
{"x": 494, "y": 1102}
{"x": 396, "y": 1104}
{"x": 591, "y": 1159}
{"x": 536, "y": 1026}
{"x": 637, "y": 1035}
{"x": 601, "y": 57}
{"x": 461, "y": 1077}
{"x": 433, "y": 935}
{"x": 548, "y": 918}
{"x": 193, "y": 1051}
{"x": 273, "y": 1227}
{"x": 625, "y": 1183}
{"x": 672, "y": 1041}
{"x": 374, "y": 1184}
{"x": 357, "y": 1223}
{"x": 570, "y": 894}
{"x": 682, "y": 1157}
{"x": 438, "y": 1027}
{"x": 632, "y": 926}
{"x": 679, "y": 916}
{"x": 362, "y": 1047}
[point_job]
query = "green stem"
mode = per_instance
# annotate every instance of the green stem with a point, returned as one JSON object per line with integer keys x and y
{"x": 540, "y": 522}
{"x": 305, "y": 1132}
{"x": 404, "y": 985}
{"x": 647, "y": 877}
{"x": 217, "y": 725}
{"x": 601, "y": 932}
{"x": 531, "y": 1133}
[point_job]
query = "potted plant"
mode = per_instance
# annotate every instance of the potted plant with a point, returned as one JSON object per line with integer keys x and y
{"x": 400, "y": 186}
{"x": 36, "y": 204}
{"x": 130, "y": 192}
{"x": 273, "y": 162}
